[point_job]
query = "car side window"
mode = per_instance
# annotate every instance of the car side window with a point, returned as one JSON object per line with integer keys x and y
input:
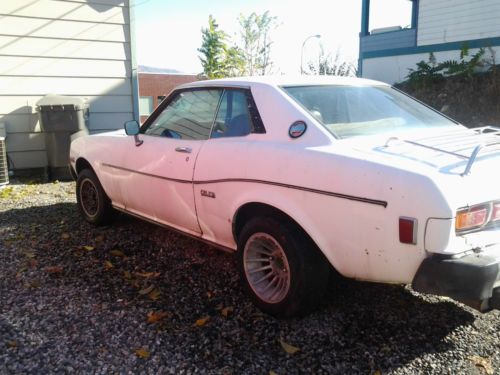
{"x": 234, "y": 118}
{"x": 189, "y": 115}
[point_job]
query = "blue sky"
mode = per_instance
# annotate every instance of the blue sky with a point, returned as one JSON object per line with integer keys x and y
{"x": 168, "y": 32}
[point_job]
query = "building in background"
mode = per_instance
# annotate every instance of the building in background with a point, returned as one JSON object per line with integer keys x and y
{"x": 439, "y": 26}
{"x": 79, "y": 48}
{"x": 154, "y": 86}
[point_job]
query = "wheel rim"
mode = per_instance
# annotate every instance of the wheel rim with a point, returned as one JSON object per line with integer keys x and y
{"x": 266, "y": 268}
{"x": 89, "y": 198}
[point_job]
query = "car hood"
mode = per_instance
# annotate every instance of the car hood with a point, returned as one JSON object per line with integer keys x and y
{"x": 442, "y": 155}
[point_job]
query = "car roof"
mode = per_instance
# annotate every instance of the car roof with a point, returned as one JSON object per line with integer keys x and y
{"x": 277, "y": 81}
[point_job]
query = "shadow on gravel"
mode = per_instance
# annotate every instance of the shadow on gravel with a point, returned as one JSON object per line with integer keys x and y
{"x": 98, "y": 285}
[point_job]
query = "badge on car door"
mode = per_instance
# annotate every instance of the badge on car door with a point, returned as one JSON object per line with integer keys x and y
{"x": 208, "y": 194}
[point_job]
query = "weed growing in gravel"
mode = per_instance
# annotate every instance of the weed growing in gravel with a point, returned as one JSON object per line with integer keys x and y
{"x": 17, "y": 193}
{"x": 6, "y": 192}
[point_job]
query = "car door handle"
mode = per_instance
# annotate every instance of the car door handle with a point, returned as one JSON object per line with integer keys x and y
{"x": 187, "y": 150}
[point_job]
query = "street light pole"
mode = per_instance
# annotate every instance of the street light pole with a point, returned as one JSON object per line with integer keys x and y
{"x": 302, "y": 51}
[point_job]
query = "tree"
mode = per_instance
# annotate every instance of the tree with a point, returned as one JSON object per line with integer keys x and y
{"x": 332, "y": 66}
{"x": 217, "y": 58}
{"x": 212, "y": 49}
{"x": 256, "y": 40}
{"x": 234, "y": 62}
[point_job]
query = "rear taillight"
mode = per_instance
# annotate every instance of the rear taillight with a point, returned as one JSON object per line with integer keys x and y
{"x": 472, "y": 218}
{"x": 408, "y": 230}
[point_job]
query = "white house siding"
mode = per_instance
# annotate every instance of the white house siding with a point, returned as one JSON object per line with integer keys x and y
{"x": 67, "y": 47}
{"x": 443, "y": 27}
{"x": 443, "y": 21}
{"x": 393, "y": 69}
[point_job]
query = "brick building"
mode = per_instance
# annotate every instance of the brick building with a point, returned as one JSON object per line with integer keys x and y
{"x": 153, "y": 87}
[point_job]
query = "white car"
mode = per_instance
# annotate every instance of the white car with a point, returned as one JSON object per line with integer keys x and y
{"x": 300, "y": 175}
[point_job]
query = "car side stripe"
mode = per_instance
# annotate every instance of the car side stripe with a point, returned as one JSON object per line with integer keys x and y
{"x": 255, "y": 181}
{"x": 296, "y": 187}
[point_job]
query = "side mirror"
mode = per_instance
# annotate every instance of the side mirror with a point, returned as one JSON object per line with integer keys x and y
{"x": 132, "y": 128}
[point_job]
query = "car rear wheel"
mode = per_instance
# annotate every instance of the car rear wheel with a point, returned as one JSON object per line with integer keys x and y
{"x": 92, "y": 200}
{"x": 283, "y": 271}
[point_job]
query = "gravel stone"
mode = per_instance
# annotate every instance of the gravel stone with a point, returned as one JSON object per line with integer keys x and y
{"x": 76, "y": 299}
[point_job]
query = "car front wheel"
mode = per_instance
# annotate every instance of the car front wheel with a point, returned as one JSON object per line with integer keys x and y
{"x": 280, "y": 267}
{"x": 92, "y": 200}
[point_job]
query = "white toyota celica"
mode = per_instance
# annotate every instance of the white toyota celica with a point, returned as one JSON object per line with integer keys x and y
{"x": 300, "y": 175}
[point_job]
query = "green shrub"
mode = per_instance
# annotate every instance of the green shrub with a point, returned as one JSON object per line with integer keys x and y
{"x": 430, "y": 72}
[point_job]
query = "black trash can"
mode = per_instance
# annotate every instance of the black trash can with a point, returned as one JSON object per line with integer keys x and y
{"x": 62, "y": 119}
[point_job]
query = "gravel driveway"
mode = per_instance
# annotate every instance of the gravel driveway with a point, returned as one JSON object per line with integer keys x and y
{"x": 134, "y": 298}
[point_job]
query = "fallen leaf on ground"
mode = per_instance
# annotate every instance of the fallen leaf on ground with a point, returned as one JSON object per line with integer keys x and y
{"x": 209, "y": 294}
{"x": 290, "y": 349}
{"x": 147, "y": 290}
{"x": 378, "y": 372}
{"x": 29, "y": 254}
{"x": 142, "y": 353}
{"x": 156, "y": 316}
{"x": 127, "y": 275}
{"x": 483, "y": 363}
{"x": 271, "y": 372}
{"x": 32, "y": 284}
{"x": 226, "y": 311}
{"x": 88, "y": 248}
{"x": 65, "y": 236}
{"x": 147, "y": 275}
{"x": 202, "y": 321}
{"x": 154, "y": 294}
{"x": 108, "y": 265}
{"x": 116, "y": 253}
{"x": 12, "y": 344}
{"x": 99, "y": 238}
{"x": 54, "y": 269}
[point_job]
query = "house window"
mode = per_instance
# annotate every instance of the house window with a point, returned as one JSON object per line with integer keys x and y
{"x": 390, "y": 15}
{"x": 145, "y": 105}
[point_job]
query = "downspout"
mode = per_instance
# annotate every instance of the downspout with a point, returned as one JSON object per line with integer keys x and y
{"x": 133, "y": 62}
{"x": 414, "y": 18}
{"x": 365, "y": 24}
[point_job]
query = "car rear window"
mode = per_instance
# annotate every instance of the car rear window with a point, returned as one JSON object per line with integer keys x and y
{"x": 349, "y": 111}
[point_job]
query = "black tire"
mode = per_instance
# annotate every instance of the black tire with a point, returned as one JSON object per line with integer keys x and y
{"x": 92, "y": 200}
{"x": 307, "y": 270}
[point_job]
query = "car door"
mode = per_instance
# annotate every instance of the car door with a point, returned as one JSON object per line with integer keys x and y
{"x": 222, "y": 164}
{"x": 159, "y": 183}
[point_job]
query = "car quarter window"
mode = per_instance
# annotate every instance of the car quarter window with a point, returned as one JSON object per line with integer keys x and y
{"x": 237, "y": 115}
{"x": 189, "y": 115}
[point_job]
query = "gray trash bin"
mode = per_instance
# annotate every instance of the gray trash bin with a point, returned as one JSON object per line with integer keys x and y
{"x": 62, "y": 119}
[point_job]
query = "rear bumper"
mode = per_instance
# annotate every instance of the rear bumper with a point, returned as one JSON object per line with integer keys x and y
{"x": 473, "y": 279}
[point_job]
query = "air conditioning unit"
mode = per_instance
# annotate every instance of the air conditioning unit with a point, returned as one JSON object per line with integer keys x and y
{"x": 4, "y": 173}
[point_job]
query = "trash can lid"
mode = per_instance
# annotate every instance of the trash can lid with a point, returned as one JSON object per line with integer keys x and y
{"x": 52, "y": 100}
